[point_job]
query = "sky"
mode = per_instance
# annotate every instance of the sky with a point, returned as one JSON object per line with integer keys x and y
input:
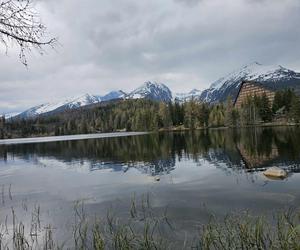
{"x": 108, "y": 45}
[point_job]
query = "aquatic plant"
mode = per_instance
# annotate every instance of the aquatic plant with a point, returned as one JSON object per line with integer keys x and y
{"x": 144, "y": 228}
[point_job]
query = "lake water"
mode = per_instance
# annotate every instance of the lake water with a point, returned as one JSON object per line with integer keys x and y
{"x": 201, "y": 172}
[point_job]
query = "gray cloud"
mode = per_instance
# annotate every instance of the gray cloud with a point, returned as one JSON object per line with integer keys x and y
{"x": 122, "y": 43}
{"x": 189, "y": 3}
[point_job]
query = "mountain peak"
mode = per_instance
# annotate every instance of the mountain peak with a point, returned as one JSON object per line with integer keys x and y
{"x": 150, "y": 84}
{"x": 152, "y": 90}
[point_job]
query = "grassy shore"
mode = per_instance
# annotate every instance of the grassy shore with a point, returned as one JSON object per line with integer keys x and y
{"x": 143, "y": 228}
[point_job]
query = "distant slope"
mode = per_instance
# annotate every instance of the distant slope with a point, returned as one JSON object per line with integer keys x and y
{"x": 70, "y": 103}
{"x": 277, "y": 77}
{"x": 183, "y": 97}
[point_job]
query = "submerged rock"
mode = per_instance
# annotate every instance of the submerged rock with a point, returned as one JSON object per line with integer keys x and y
{"x": 275, "y": 172}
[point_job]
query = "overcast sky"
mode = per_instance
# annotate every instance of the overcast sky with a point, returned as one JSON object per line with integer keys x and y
{"x": 119, "y": 44}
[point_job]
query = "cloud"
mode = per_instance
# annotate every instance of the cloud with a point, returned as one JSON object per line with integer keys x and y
{"x": 122, "y": 43}
{"x": 189, "y": 3}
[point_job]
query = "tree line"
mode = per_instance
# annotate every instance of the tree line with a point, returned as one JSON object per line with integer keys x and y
{"x": 148, "y": 115}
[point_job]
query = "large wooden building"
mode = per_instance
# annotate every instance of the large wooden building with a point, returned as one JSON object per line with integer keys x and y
{"x": 251, "y": 89}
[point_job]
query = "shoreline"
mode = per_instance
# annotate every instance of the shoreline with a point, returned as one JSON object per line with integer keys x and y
{"x": 52, "y": 138}
{"x": 174, "y": 129}
{"x": 68, "y": 137}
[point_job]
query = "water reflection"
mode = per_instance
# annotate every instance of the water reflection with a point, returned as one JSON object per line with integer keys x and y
{"x": 153, "y": 154}
{"x": 209, "y": 169}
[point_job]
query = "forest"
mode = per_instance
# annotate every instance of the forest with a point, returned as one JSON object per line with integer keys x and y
{"x": 148, "y": 115}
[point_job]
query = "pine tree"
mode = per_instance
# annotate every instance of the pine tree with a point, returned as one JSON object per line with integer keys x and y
{"x": 189, "y": 114}
{"x": 228, "y": 112}
{"x": 164, "y": 115}
{"x": 248, "y": 111}
{"x": 204, "y": 115}
{"x": 265, "y": 111}
{"x": 216, "y": 116}
{"x": 278, "y": 101}
{"x": 295, "y": 109}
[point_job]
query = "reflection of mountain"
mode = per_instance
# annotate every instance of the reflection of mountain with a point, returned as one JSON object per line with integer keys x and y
{"x": 256, "y": 159}
{"x": 150, "y": 168}
{"x": 154, "y": 154}
{"x": 156, "y": 167}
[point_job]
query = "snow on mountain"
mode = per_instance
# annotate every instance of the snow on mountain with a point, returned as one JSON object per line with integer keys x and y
{"x": 270, "y": 75}
{"x": 153, "y": 91}
{"x": 183, "y": 97}
{"x": 119, "y": 94}
{"x": 69, "y": 103}
{"x": 10, "y": 115}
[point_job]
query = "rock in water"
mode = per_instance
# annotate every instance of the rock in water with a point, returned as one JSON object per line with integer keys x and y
{"x": 275, "y": 172}
{"x": 157, "y": 178}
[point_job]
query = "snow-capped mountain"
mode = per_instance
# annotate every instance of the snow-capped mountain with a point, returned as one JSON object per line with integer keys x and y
{"x": 152, "y": 90}
{"x": 149, "y": 90}
{"x": 272, "y": 76}
{"x": 69, "y": 103}
{"x": 183, "y": 97}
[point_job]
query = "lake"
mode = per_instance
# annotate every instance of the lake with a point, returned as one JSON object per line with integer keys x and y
{"x": 192, "y": 174}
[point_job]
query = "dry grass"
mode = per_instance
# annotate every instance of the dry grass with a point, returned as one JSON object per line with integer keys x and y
{"x": 144, "y": 229}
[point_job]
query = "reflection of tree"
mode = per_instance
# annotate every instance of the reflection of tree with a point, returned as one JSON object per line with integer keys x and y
{"x": 257, "y": 147}
{"x": 287, "y": 142}
{"x": 3, "y": 153}
{"x": 151, "y": 153}
{"x": 262, "y": 147}
{"x": 157, "y": 153}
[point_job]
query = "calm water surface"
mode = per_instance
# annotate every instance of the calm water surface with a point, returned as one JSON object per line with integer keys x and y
{"x": 216, "y": 171}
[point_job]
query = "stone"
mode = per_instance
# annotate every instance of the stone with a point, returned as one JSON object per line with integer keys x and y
{"x": 157, "y": 178}
{"x": 275, "y": 172}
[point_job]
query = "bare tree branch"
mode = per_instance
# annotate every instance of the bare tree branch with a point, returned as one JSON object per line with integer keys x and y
{"x": 20, "y": 25}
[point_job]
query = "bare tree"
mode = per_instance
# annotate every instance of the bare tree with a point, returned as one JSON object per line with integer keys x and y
{"x": 20, "y": 25}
